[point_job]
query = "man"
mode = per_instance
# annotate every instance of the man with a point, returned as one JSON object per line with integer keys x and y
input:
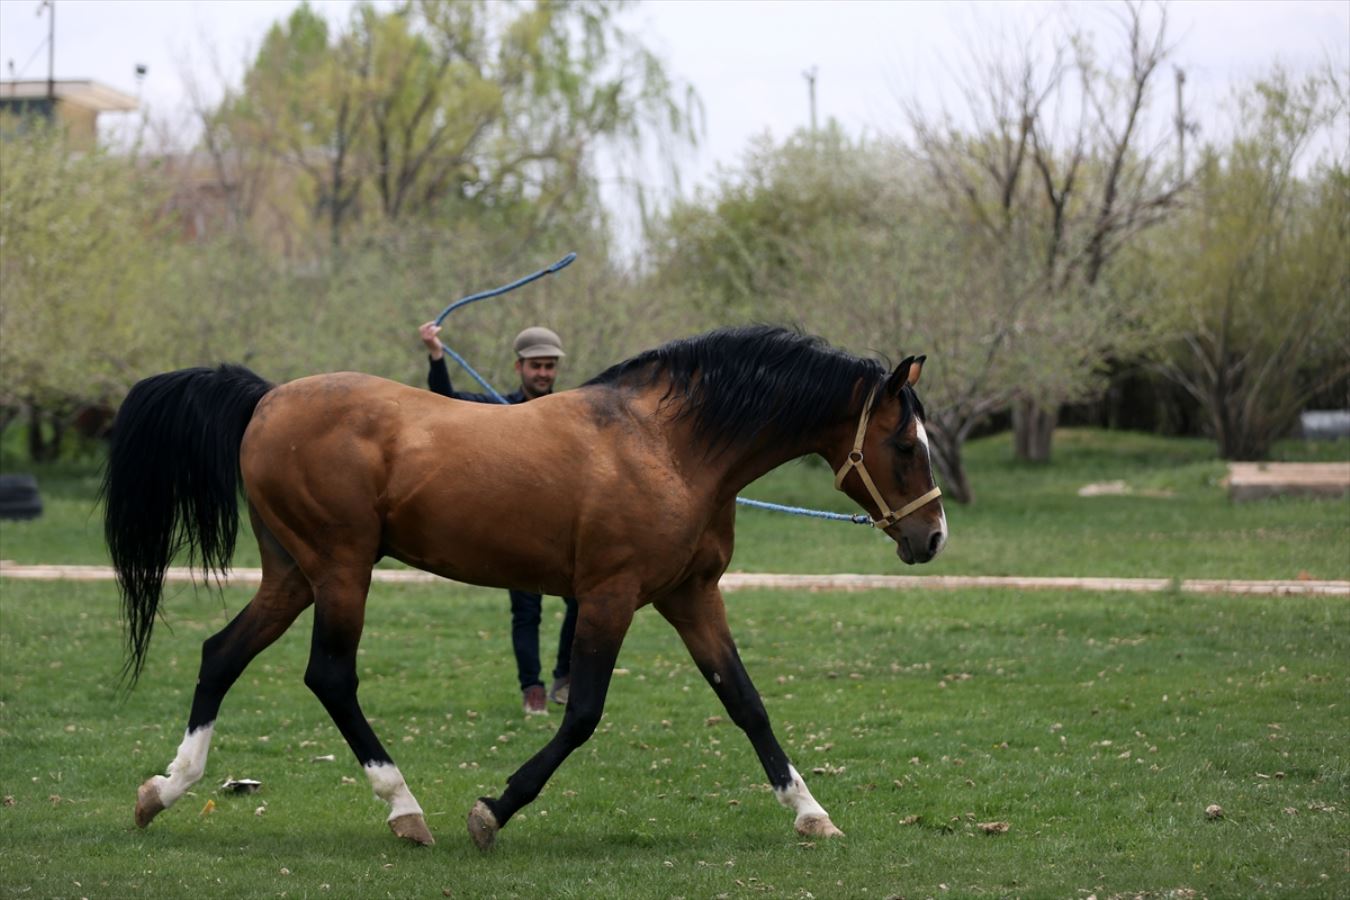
{"x": 537, "y": 353}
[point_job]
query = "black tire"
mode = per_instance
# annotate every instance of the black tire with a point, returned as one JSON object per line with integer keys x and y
{"x": 19, "y": 498}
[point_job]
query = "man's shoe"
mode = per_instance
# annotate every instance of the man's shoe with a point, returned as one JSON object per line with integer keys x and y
{"x": 535, "y": 702}
{"x": 561, "y": 687}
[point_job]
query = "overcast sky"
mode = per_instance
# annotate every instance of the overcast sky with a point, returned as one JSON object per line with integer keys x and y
{"x": 745, "y": 58}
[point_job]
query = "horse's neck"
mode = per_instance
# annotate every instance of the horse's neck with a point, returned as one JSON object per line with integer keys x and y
{"x": 720, "y": 475}
{"x": 724, "y": 475}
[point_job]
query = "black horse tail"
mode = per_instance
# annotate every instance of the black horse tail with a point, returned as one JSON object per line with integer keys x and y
{"x": 172, "y": 482}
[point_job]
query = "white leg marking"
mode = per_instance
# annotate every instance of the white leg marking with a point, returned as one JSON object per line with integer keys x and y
{"x": 187, "y": 767}
{"x": 797, "y": 797}
{"x": 390, "y": 787}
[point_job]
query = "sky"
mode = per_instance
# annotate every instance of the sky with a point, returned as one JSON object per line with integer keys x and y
{"x": 745, "y": 58}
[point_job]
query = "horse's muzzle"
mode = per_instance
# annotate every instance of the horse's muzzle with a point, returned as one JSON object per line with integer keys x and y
{"x": 919, "y": 549}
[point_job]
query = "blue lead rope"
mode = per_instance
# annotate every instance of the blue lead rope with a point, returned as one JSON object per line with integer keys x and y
{"x": 857, "y": 519}
{"x": 549, "y": 270}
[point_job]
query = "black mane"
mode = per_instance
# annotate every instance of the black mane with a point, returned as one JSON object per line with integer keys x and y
{"x": 739, "y": 384}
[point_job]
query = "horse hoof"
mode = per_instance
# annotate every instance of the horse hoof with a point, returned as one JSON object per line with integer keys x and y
{"x": 412, "y": 827}
{"x": 817, "y": 826}
{"x": 148, "y": 804}
{"x": 483, "y": 826}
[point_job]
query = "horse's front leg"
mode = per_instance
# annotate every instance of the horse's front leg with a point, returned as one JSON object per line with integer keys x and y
{"x": 700, "y": 617}
{"x": 601, "y": 626}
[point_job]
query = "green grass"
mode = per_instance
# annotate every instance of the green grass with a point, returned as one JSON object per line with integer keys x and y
{"x": 1027, "y": 520}
{"x": 1099, "y": 726}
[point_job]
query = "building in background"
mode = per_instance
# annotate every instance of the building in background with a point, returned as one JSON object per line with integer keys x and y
{"x": 73, "y": 105}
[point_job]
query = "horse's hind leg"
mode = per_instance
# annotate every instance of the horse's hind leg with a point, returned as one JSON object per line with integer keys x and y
{"x": 339, "y": 615}
{"x": 283, "y": 595}
{"x": 699, "y": 616}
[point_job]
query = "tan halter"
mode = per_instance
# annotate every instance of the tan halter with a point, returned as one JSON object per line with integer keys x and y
{"x": 855, "y": 461}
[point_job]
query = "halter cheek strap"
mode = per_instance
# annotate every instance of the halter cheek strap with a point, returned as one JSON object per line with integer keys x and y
{"x": 855, "y": 461}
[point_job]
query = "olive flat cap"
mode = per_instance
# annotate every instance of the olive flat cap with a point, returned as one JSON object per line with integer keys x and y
{"x": 537, "y": 341}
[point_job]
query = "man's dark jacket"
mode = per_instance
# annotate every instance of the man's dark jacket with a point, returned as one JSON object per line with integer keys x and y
{"x": 438, "y": 379}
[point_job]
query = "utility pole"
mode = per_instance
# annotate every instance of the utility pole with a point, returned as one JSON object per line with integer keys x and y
{"x": 1181, "y": 125}
{"x": 810, "y": 76}
{"x": 51, "y": 52}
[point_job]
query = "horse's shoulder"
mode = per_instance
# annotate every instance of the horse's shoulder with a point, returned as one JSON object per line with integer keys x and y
{"x": 603, "y": 407}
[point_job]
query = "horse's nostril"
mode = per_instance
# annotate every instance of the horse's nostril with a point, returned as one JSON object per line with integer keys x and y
{"x": 934, "y": 543}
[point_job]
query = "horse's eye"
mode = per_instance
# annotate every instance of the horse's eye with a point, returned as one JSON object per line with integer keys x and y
{"x": 905, "y": 448}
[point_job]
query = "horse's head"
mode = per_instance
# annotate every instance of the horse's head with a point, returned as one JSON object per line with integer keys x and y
{"x": 888, "y": 471}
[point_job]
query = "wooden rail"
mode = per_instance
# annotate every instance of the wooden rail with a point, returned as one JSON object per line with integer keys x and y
{"x": 1257, "y": 481}
{"x": 735, "y": 581}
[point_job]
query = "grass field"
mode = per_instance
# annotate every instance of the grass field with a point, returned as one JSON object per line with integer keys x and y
{"x": 1098, "y": 727}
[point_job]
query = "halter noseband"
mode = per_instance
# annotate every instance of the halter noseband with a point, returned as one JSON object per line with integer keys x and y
{"x": 855, "y": 461}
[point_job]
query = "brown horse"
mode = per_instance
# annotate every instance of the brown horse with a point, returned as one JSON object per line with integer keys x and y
{"x": 620, "y": 493}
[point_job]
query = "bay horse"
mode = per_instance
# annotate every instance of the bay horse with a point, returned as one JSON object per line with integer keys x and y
{"x": 620, "y": 493}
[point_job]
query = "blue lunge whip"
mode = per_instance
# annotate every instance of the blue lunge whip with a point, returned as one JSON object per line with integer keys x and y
{"x": 483, "y": 295}
{"x": 473, "y": 298}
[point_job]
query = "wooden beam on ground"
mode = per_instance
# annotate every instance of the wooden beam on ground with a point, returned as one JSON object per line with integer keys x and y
{"x": 1258, "y": 481}
{"x": 735, "y": 581}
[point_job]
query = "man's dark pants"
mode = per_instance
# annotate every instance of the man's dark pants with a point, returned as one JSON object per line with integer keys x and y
{"x": 526, "y": 612}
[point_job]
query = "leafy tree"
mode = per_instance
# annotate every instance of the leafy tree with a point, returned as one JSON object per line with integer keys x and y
{"x": 78, "y": 265}
{"x": 1056, "y": 178}
{"x": 493, "y": 110}
{"x": 1256, "y": 275}
{"x": 730, "y": 252}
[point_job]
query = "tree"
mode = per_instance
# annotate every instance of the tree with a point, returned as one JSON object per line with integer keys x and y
{"x": 729, "y": 252}
{"x": 1256, "y": 275}
{"x": 1056, "y": 178}
{"x": 78, "y": 264}
{"x": 441, "y": 110}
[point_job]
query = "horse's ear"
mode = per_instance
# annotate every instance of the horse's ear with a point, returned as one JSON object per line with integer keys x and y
{"x": 895, "y": 382}
{"x": 915, "y": 370}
